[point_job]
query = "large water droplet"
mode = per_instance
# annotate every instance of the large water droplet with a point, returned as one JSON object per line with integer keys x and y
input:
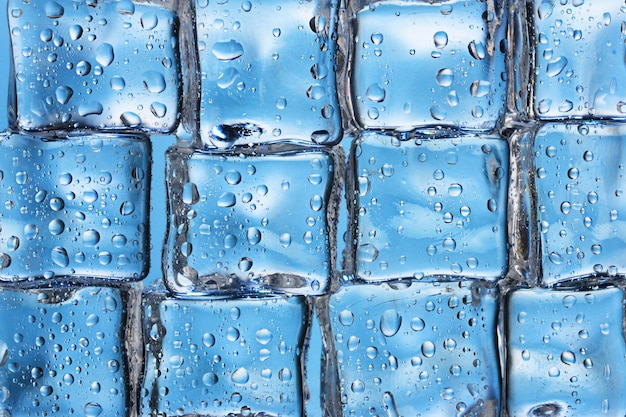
{"x": 240, "y": 376}
{"x": 390, "y": 322}
{"x": 441, "y": 39}
{"x": 227, "y": 51}
{"x": 153, "y": 81}
{"x": 556, "y": 66}
{"x": 105, "y": 54}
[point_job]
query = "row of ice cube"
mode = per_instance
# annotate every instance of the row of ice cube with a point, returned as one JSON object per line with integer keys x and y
{"x": 401, "y": 348}
{"x": 268, "y": 71}
{"x": 265, "y": 220}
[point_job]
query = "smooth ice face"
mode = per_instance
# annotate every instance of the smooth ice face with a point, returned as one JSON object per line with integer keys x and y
{"x": 75, "y": 208}
{"x": 429, "y": 207}
{"x": 569, "y": 347}
{"x": 99, "y": 65}
{"x": 217, "y": 357}
{"x": 423, "y": 64}
{"x": 255, "y": 223}
{"x": 267, "y": 72}
{"x": 416, "y": 349}
{"x": 63, "y": 357}
{"x": 578, "y": 60}
{"x": 580, "y": 203}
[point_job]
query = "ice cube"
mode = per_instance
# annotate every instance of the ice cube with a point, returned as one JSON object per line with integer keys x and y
{"x": 565, "y": 352}
{"x": 428, "y": 64}
{"x": 242, "y": 222}
{"x": 267, "y": 72}
{"x": 222, "y": 356}
{"x": 415, "y": 348}
{"x": 424, "y": 207}
{"x": 108, "y": 65}
{"x": 63, "y": 352}
{"x": 75, "y": 208}
{"x": 579, "y": 200}
{"x": 578, "y": 56}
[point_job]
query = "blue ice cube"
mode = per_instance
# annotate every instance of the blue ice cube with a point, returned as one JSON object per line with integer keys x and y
{"x": 565, "y": 352}
{"x": 222, "y": 356}
{"x": 578, "y": 55}
{"x": 428, "y": 64}
{"x": 63, "y": 353}
{"x": 99, "y": 65}
{"x": 241, "y": 222}
{"x": 267, "y": 72}
{"x": 578, "y": 173}
{"x": 74, "y": 207}
{"x": 426, "y": 207}
{"x": 410, "y": 349}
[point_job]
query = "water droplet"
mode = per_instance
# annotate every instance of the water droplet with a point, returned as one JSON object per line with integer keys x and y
{"x": 149, "y": 21}
{"x": 90, "y": 108}
{"x": 227, "y": 51}
{"x": 375, "y": 93}
{"x": 83, "y": 68}
{"x": 91, "y": 237}
{"x": 240, "y": 376}
{"x": 59, "y": 256}
{"x": 445, "y": 77}
{"x": 209, "y": 379}
{"x": 105, "y": 54}
{"x": 54, "y": 10}
{"x": 285, "y": 240}
{"x": 245, "y": 264}
{"x": 428, "y": 349}
{"x": 227, "y": 200}
{"x": 127, "y": 208}
{"x": 253, "y": 235}
{"x": 441, "y": 39}
{"x": 390, "y": 322}
{"x": 556, "y": 66}
{"x": 568, "y": 357}
{"x": 480, "y": 88}
{"x": 63, "y": 94}
{"x": 153, "y": 81}
{"x": 477, "y": 50}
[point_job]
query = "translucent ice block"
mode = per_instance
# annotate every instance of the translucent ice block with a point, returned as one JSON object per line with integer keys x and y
{"x": 410, "y": 349}
{"x": 579, "y": 200}
{"x": 63, "y": 353}
{"x": 424, "y": 63}
{"x": 74, "y": 207}
{"x": 428, "y": 207}
{"x": 577, "y": 49}
{"x": 95, "y": 64}
{"x": 565, "y": 353}
{"x": 242, "y": 222}
{"x": 267, "y": 72}
{"x": 236, "y": 357}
